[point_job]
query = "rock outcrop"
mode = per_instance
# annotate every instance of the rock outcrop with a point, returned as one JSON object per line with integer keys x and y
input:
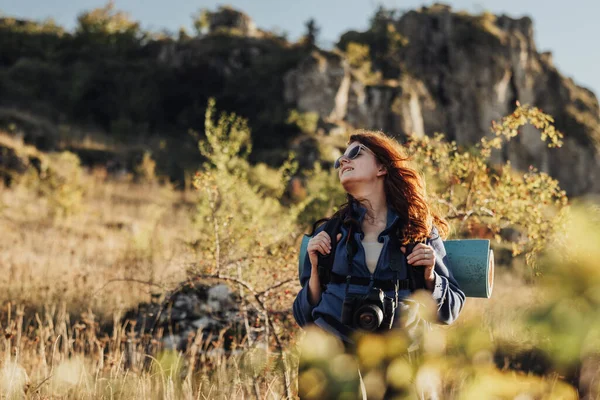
{"x": 229, "y": 18}
{"x": 319, "y": 84}
{"x": 476, "y": 68}
{"x": 214, "y": 312}
{"x": 428, "y": 70}
{"x": 458, "y": 73}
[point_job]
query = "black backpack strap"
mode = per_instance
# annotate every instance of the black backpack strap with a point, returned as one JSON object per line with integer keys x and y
{"x": 397, "y": 259}
{"x": 325, "y": 262}
{"x": 416, "y": 275}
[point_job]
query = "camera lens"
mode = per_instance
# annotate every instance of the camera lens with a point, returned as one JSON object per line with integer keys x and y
{"x": 368, "y": 317}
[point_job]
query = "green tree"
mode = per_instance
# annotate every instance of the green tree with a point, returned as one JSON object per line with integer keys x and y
{"x": 312, "y": 32}
{"x": 473, "y": 193}
{"x": 201, "y": 21}
{"x": 106, "y": 21}
{"x": 359, "y": 58}
{"x": 240, "y": 218}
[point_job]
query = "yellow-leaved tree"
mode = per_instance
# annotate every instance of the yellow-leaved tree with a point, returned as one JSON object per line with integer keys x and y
{"x": 472, "y": 193}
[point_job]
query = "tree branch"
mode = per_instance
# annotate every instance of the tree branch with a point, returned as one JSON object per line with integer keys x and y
{"x": 262, "y": 307}
{"x": 275, "y": 286}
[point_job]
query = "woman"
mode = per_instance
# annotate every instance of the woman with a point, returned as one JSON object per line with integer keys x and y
{"x": 386, "y": 210}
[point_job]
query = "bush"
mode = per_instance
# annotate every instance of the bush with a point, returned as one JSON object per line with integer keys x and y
{"x": 241, "y": 221}
{"x": 306, "y": 122}
{"x": 145, "y": 170}
{"x": 472, "y": 193}
{"x": 59, "y": 181}
{"x": 358, "y": 56}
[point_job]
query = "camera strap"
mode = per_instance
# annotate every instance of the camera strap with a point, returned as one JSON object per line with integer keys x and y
{"x": 397, "y": 264}
{"x": 350, "y": 252}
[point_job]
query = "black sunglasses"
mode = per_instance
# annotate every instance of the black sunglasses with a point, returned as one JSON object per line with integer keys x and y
{"x": 352, "y": 154}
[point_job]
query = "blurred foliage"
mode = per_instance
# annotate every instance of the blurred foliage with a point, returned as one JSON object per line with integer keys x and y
{"x": 106, "y": 21}
{"x": 60, "y": 182}
{"x": 567, "y": 322}
{"x": 326, "y": 195}
{"x": 496, "y": 201}
{"x": 312, "y": 33}
{"x": 559, "y": 339}
{"x": 56, "y": 177}
{"x": 306, "y": 122}
{"x": 200, "y": 21}
{"x": 46, "y": 26}
{"x": 145, "y": 170}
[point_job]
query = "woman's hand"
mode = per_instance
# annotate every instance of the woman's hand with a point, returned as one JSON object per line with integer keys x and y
{"x": 423, "y": 255}
{"x": 321, "y": 243}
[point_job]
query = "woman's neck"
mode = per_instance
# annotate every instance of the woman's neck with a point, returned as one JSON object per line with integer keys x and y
{"x": 376, "y": 209}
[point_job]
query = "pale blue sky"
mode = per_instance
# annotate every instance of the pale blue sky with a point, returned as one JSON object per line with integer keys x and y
{"x": 569, "y": 29}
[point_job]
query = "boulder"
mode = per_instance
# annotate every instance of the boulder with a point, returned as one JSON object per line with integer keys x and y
{"x": 231, "y": 19}
{"x": 191, "y": 310}
{"x": 320, "y": 83}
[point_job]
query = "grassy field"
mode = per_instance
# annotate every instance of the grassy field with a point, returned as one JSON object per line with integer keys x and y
{"x": 68, "y": 279}
{"x": 75, "y": 277}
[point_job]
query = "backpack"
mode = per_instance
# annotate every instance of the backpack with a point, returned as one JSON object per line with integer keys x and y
{"x": 325, "y": 263}
{"x": 472, "y": 261}
{"x": 411, "y": 321}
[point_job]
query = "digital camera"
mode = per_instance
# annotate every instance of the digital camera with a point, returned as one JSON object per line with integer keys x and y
{"x": 370, "y": 312}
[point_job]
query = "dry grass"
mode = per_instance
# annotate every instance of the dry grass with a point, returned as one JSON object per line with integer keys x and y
{"x": 511, "y": 299}
{"x": 66, "y": 277}
{"x": 123, "y": 234}
{"x": 38, "y": 363}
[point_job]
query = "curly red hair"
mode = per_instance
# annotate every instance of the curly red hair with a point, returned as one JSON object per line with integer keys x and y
{"x": 404, "y": 189}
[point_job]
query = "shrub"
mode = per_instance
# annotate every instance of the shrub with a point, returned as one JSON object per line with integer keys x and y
{"x": 145, "y": 170}
{"x": 240, "y": 220}
{"x": 60, "y": 182}
{"x": 358, "y": 56}
{"x": 471, "y": 192}
{"x": 306, "y": 122}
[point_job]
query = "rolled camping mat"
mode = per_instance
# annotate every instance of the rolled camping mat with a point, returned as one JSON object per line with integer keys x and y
{"x": 471, "y": 261}
{"x": 472, "y": 264}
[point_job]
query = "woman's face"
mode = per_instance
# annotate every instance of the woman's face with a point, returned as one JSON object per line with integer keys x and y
{"x": 362, "y": 169}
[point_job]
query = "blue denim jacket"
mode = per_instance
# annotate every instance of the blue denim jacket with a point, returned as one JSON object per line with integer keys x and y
{"x": 446, "y": 292}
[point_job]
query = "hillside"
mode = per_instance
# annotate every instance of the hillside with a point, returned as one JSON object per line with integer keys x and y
{"x": 425, "y": 71}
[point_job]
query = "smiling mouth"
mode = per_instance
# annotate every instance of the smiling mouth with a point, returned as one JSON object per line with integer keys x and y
{"x": 346, "y": 170}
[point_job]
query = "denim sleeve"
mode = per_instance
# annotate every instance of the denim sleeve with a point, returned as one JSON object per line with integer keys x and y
{"x": 302, "y": 308}
{"x": 446, "y": 292}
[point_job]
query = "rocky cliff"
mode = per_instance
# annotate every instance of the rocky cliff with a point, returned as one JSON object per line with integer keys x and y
{"x": 424, "y": 71}
{"x": 457, "y": 73}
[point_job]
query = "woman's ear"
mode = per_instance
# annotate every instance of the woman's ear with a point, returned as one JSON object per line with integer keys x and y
{"x": 382, "y": 171}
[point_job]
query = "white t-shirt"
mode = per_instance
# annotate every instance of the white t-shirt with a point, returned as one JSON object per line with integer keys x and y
{"x": 372, "y": 251}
